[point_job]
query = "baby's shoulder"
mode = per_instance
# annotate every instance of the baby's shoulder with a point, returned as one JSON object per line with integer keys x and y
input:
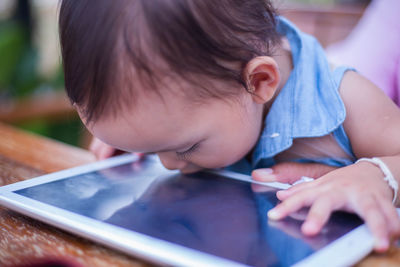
{"x": 351, "y": 79}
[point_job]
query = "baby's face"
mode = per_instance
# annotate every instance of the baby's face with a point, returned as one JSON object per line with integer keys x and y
{"x": 187, "y": 136}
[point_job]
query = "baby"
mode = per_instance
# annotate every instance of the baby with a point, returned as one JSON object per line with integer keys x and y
{"x": 211, "y": 84}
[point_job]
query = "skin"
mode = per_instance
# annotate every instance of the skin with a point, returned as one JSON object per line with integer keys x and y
{"x": 216, "y": 133}
{"x": 174, "y": 138}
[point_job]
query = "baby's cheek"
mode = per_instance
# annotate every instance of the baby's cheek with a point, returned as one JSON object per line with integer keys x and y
{"x": 218, "y": 153}
{"x": 217, "y": 161}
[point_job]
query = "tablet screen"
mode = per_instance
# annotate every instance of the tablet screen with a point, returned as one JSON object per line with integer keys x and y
{"x": 203, "y": 211}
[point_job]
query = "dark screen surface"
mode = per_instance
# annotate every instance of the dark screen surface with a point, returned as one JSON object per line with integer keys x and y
{"x": 203, "y": 211}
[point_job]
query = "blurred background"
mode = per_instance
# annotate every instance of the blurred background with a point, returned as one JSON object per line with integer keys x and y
{"x": 31, "y": 79}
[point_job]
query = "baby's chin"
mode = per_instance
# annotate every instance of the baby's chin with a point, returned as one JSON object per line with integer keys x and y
{"x": 192, "y": 168}
{"x": 195, "y": 168}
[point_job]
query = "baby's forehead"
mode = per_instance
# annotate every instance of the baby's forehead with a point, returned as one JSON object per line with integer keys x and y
{"x": 148, "y": 110}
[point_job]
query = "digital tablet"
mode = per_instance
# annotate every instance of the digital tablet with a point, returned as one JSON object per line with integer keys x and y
{"x": 215, "y": 218}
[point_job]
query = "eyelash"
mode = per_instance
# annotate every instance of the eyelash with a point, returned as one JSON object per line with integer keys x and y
{"x": 187, "y": 153}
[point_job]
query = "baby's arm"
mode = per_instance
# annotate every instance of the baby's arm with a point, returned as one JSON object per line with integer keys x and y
{"x": 373, "y": 127}
{"x": 103, "y": 151}
{"x": 100, "y": 149}
{"x": 291, "y": 172}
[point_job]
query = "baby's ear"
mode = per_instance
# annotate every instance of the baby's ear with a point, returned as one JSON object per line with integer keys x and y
{"x": 262, "y": 78}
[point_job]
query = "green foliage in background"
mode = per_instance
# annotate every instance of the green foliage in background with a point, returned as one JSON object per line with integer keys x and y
{"x": 18, "y": 76}
{"x": 67, "y": 131}
{"x": 19, "y": 62}
{"x": 19, "y": 79}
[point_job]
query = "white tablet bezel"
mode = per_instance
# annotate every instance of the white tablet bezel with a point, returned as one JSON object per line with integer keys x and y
{"x": 359, "y": 241}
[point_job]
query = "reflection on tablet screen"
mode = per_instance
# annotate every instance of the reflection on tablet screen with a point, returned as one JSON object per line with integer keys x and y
{"x": 203, "y": 211}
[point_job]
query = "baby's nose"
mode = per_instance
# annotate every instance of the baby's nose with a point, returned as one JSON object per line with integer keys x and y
{"x": 171, "y": 162}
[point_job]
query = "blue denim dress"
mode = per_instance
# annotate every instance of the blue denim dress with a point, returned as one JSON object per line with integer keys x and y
{"x": 309, "y": 105}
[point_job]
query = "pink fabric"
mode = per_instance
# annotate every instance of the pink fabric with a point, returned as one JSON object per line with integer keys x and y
{"x": 373, "y": 47}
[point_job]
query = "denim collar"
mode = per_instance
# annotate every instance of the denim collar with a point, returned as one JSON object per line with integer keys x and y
{"x": 308, "y": 105}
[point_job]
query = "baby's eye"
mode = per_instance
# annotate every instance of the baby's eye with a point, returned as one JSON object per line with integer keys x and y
{"x": 185, "y": 154}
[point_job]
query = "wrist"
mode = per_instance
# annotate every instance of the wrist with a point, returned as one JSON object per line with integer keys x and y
{"x": 386, "y": 173}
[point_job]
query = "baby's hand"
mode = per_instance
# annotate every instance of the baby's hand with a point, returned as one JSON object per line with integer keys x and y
{"x": 358, "y": 188}
{"x": 101, "y": 150}
{"x": 290, "y": 172}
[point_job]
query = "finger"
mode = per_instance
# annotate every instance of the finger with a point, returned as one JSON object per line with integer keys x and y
{"x": 290, "y": 172}
{"x": 284, "y": 194}
{"x": 370, "y": 211}
{"x": 94, "y": 146}
{"x": 264, "y": 175}
{"x": 292, "y": 204}
{"x": 392, "y": 218}
{"x": 105, "y": 152}
{"x": 319, "y": 214}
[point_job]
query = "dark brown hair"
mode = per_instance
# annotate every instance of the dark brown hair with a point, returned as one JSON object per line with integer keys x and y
{"x": 105, "y": 43}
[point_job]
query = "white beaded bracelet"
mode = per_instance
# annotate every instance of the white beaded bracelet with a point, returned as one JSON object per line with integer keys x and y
{"x": 388, "y": 174}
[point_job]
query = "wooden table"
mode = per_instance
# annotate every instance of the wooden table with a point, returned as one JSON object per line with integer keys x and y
{"x": 24, "y": 240}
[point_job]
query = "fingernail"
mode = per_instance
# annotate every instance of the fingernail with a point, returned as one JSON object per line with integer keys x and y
{"x": 309, "y": 227}
{"x": 381, "y": 244}
{"x": 274, "y": 214}
{"x": 280, "y": 194}
{"x": 265, "y": 175}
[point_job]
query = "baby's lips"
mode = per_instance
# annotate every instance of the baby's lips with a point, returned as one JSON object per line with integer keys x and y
{"x": 140, "y": 155}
